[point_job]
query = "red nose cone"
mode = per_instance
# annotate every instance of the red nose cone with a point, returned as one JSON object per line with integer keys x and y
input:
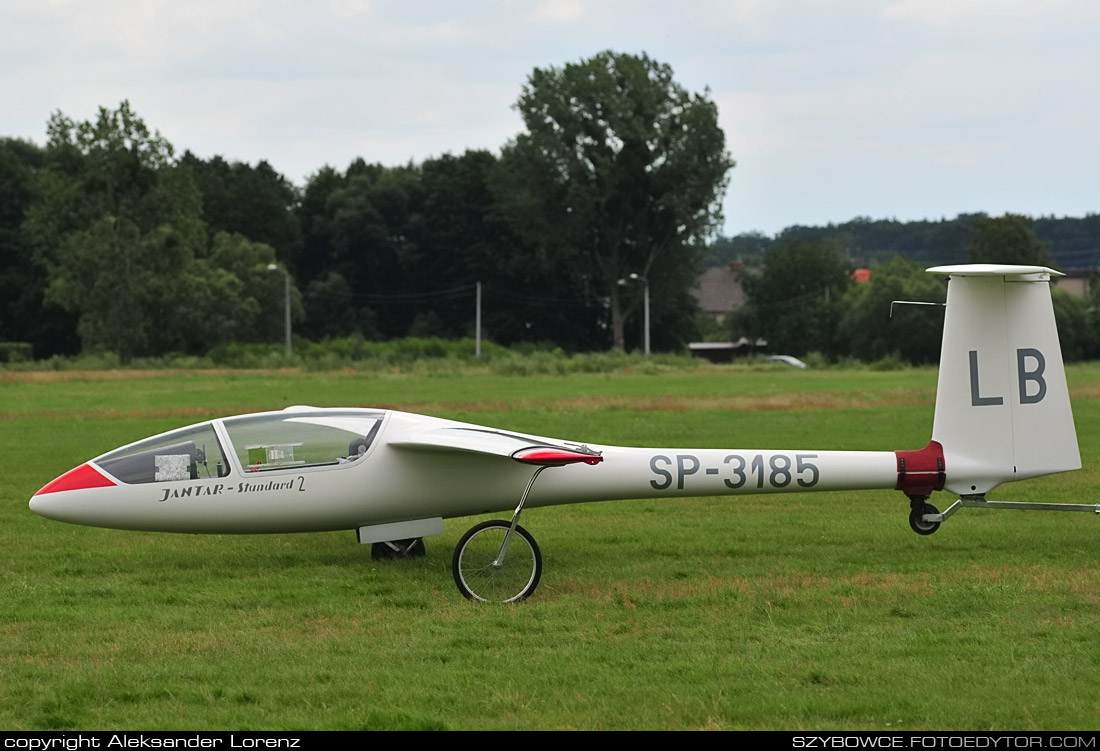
{"x": 80, "y": 478}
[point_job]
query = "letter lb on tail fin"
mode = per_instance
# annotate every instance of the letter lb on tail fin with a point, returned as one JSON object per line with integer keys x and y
{"x": 1002, "y": 404}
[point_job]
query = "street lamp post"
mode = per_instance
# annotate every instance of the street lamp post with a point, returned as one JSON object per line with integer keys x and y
{"x": 286, "y": 302}
{"x": 645, "y": 304}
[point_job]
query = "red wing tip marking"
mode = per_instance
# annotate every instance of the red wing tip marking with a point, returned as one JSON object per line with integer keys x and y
{"x": 79, "y": 478}
{"x": 553, "y": 457}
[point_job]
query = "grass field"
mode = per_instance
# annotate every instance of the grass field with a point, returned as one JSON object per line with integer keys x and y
{"x": 813, "y": 611}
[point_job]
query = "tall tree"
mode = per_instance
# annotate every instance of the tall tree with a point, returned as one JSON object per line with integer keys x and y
{"x": 357, "y": 236}
{"x": 1076, "y": 332}
{"x": 795, "y": 302}
{"x": 256, "y": 202}
{"x": 456, "y": 240}
{"x": 24, "y": 315}
{"x": 1007, "y": 239}
{"x": 116, "y": 226}
{"x": 871, "y": 328}
{"x": 621, "y": 171}
{"x": 248, "y": 296}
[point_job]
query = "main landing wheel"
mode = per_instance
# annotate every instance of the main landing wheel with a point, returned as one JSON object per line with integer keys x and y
{"x": 917, "y": 522}
{"x": 482, "y": 573}
{"x": 387, "y": 551}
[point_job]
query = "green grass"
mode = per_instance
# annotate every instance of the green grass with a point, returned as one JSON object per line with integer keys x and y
{"x": 813, "y": 611}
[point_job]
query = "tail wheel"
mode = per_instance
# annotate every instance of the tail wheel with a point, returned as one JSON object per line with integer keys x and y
{"x": 916, "y": 518}
{"x": 483, "y": 573}
{"x": 392, "y": 549}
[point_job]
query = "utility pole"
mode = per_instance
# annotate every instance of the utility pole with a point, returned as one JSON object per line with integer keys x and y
{"x": 477, "y": 324}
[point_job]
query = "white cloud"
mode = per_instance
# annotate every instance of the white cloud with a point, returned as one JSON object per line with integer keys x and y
{"x": 831, "y": 109}
{"x": 351, "y": 8}
{"x": 992, "y": 18}
{"x": 557, "y": 12}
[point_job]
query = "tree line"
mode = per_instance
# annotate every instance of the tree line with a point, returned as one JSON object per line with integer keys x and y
{"x": 803, "y": 297}
{"x": 109, "y": 241}
{"x": 1073, "y": 242}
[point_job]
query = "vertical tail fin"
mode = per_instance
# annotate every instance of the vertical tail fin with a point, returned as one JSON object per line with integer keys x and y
{"x": 1002, "y": 404}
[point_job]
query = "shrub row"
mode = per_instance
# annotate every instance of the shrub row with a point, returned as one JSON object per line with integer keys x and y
{"x": 422, "y": 355}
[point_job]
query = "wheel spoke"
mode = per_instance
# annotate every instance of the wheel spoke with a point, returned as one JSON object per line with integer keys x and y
{"x": 512, "y": 578}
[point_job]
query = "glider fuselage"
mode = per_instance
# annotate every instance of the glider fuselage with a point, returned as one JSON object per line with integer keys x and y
{"x": 413, "y": 467}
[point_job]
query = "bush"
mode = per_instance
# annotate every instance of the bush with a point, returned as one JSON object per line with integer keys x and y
{"x": 891, "y": 362}
{"x": 538, "y": 363}
{"x": 249, "y": 355}
{"x": 427, "y": 355}
{"x": 16, "y": 352}
{"x": 816, "y": 360}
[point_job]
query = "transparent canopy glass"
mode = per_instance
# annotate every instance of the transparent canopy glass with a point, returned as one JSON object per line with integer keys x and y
{"x": 185, "y": 454}
{"x": 281, "y": 440}
{"x": 296, "y": 439}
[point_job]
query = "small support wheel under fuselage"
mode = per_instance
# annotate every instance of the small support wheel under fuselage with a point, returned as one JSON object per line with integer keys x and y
{"x": 916, "y": 518}
{"x": 486, "y": 570}
{"x": 394, "y": 549}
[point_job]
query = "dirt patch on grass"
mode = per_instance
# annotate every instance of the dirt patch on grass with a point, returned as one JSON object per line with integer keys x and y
{"x": 56, "y": 376}
{"x": 870, "y": 590}
{"x": 1085, "y": 391}
{"x": 193, "y": 413}
{"x": 785, "y": 402}
{"x": 795, "y": 401}
{"x": 774, "y": 402}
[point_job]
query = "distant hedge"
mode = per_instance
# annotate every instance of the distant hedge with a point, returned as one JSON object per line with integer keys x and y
{"x": 16, "y": 352}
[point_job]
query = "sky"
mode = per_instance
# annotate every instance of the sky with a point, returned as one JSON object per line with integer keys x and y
{"x": 832, "y": 109}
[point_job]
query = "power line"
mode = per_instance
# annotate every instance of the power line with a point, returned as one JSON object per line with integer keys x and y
{"x": 468, "y": 291}
{"x": 413, "y": 298}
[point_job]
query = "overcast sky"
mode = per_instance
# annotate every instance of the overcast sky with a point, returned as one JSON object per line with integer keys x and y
{"x": 832, "y": 109}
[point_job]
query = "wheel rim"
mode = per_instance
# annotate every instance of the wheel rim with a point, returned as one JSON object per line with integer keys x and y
{"x": 919, "y": 525}
{"x": 509, "y": 582}
{"x": 922, "y": 525}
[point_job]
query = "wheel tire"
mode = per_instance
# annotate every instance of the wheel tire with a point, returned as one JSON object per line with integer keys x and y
{"x": 478, "y": 579}
{"x": 397, "y": 549}
{"x": 917, "y": 522}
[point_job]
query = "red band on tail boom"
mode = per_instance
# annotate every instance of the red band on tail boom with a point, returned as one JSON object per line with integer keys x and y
{"x": 921, "y": 472}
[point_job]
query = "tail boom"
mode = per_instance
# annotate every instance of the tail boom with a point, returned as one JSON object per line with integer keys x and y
{"x": 630, "y": 473}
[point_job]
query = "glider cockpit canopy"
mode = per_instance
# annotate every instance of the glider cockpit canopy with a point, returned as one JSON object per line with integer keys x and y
{"x": 291, "y": 439}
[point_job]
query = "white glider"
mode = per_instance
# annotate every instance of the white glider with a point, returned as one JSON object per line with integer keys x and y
{"x": 1002, "y": 414}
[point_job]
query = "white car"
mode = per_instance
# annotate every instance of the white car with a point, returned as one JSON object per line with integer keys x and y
{"x": 794, "y": 362}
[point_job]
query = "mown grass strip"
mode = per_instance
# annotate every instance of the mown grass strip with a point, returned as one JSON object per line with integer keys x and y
{"x": 813, "y": 611}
